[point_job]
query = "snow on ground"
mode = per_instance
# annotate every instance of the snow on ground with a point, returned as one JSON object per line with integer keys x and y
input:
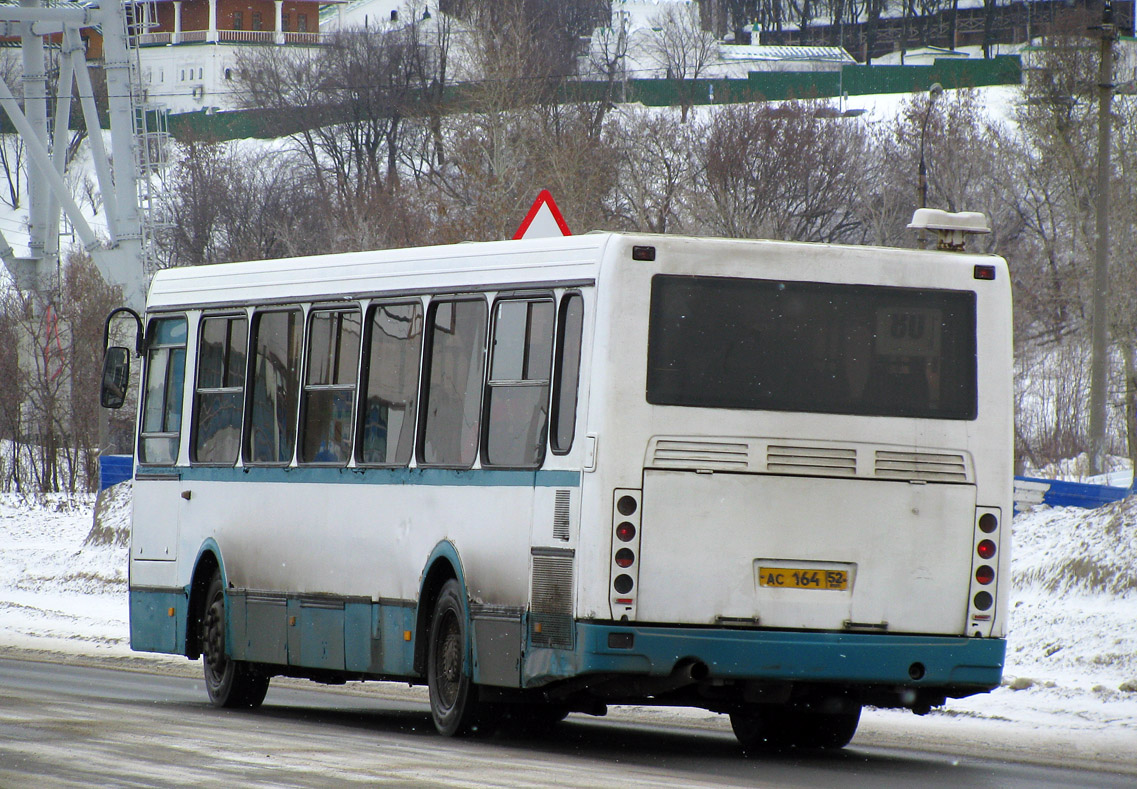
{"x": 1072, "y": 650}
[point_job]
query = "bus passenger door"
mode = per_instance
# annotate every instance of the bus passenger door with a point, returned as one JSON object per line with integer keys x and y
{"x": 157, "y": 487}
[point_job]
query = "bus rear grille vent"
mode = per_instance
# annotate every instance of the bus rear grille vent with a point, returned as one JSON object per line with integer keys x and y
{"x": 550, "y": 612}
{"x": 927, "y": 466}
{"x": 815, "y": 461}
{"x": 701, "y": 454}
{"x": 561, "y": 515}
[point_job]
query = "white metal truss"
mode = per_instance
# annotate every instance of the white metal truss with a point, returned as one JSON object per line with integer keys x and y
{"x": 121, "y": 258}
{"x": 152, "y": 142}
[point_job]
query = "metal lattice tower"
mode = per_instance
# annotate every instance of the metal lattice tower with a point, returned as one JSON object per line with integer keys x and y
{"x": 122, "y": 257}
{"x": 151, "y": 148}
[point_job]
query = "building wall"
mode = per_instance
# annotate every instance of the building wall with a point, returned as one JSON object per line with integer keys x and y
{"x": 195, "y": 15}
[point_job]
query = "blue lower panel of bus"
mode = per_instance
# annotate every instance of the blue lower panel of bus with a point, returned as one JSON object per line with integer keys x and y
{"x": 157, "y": 620}
{"x": 860, "y": 658}
{"x": 335, "y": 634}
{"x": 343, "y": 634}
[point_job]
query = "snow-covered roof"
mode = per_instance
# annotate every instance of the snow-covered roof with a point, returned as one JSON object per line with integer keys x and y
{"x": 759, "y": 52}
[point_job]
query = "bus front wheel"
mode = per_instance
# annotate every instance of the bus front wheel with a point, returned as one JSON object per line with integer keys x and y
{"x": 453, "y": 696}
{"x": 230, "y": 683}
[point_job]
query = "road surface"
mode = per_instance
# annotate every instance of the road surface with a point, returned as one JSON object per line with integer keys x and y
{"x": 63, "y": 724}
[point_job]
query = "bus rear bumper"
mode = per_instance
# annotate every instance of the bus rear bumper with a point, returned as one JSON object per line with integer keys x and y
{"x": 957, "y": 665}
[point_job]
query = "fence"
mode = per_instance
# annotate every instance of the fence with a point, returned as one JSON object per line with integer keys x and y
{"x": 854, "y": 80}
{"x": 1060, "y": 493}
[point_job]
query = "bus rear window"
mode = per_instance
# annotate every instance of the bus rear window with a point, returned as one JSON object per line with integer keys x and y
{"x": 719, "y": 342}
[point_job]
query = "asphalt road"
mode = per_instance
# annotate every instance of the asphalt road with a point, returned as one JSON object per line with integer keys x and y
{"x": 71, "y": 725}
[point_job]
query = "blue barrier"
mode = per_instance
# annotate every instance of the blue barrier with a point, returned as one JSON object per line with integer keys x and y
{"x": 114, "y": 469}
{"x": 1060, "y": 493}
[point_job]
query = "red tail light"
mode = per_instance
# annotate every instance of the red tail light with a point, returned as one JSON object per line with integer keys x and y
{"x": 625, "y": 557}
{"x": 986, "y": 549}
{"x": 985, "y": 574}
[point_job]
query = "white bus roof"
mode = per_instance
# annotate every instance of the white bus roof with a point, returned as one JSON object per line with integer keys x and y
{"x": 493, "y": 265}
{"x": 416, "y": 269}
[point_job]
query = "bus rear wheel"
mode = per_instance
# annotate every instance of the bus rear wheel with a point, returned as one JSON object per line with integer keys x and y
{"x": 773, "y": 727}
{"x": 453, "y": 696}
{"x": 230, "y": 683}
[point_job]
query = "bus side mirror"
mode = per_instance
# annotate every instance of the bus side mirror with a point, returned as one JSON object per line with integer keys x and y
{"x": 116, "y": 377}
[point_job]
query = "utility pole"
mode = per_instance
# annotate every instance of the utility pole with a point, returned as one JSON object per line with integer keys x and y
{"x": 934, "y": 91}
{"x": 1099, "y": 338}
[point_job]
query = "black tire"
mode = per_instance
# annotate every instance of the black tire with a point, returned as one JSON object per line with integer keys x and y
{"x": 230, "y": 683}
{"x": 756, "y": 729}
{"x": 827, "y": 729}
{"x": 453, "y": 695}
{"x": 776, "y": 728}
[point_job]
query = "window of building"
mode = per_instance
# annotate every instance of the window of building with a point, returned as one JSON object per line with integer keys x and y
{"x": 284, "y": 22}
{"x": 390, "y": 384}
{"x": 219, "y": 399}
{"x": 161, "y": 422}
{"x": 257, "y": 20}
{"x": 329, "y": 388}
{"x": 271, "y": 433}
{"x": 448, "y": 433}
{"x": 566, "y": 380}
{"x": 517, "y": 392}
{"x": 302, "y": 23}
{"x": 237, "y": 20}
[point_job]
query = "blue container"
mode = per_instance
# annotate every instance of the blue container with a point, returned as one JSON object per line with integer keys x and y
{"x": 114, "y": 469}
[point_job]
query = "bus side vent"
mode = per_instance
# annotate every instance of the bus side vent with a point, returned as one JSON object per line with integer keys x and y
{"x": 550, "y": 607}
{"x": 815, "y": 461}
{"x": 927, "y": 466}
{"x": 561, "y": 516}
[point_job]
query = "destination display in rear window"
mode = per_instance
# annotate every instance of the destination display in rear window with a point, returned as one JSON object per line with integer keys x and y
{"x": 721, "y": 342}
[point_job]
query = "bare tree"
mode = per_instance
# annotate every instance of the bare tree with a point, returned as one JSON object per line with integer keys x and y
{"x": 788, "y": 172}
{"x": 741, "y": 14}
{"x": 658, "y": 167}
{"x": 348, "y": 106}
{"x": 86, "y": 302}
{"x": 679, "y": 46}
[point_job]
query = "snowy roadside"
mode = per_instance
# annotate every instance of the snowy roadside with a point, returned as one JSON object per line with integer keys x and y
{"x": 1070, "y": 681}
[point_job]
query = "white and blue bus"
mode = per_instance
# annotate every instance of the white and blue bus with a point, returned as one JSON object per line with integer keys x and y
{"x": 768, "y": 479}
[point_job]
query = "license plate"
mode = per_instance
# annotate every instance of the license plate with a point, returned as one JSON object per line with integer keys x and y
{"x": 803, "y": 578}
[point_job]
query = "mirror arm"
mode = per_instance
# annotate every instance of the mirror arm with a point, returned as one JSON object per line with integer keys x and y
{"x": 139, "y": 337}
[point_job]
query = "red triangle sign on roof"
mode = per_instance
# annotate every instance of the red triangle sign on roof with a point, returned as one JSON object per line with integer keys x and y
{"x": 544, "y": 220}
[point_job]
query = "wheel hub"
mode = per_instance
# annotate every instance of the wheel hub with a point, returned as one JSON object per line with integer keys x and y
{"x": 214, "y": 635}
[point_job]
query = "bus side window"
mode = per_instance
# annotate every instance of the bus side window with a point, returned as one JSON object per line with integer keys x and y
{"x": 566, "y": 380}
{"x": 517, "y": 393}
{"x": 329, "y": 389}
{"x": 161, "y": 424}
{"x": 218, "y": 404}
{"x": 390, "y": 384}
{"x": 448, "y": 433}
{"x": 271, "y": 432}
